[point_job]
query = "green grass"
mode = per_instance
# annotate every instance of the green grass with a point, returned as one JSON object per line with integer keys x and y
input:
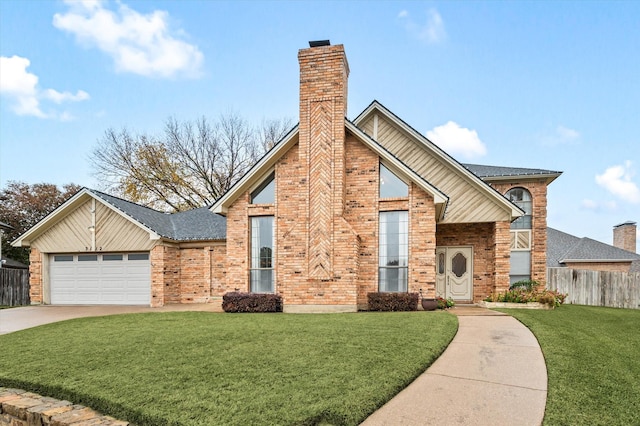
{"x": 197, "y": 368}
{"x": 593, "y": 363}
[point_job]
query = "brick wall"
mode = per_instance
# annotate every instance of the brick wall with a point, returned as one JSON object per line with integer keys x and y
{"x": 600, "y": 266}
{"x": 624, "y": 236}
{"x": 538, "y": 190}
{"x": 490, "y": 243}
{"x": 35, "y": 276}
{"x": 20, "y": 408}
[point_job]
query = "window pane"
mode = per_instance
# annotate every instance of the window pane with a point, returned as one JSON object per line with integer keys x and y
{"x": 393, "y": 251}
{"x": 391, "y": 186}
{"x": 459, "y": 265}
{"x": 87, "y": 258}
{"x": 266, "y": 192}
{"x": 108, "y": 257}
{"x": 393, "y": 279}
{"x": 138, "y": 256}
{"x": 262, "y": 243}
{"x": 262, "y": 280}
{"x": 521, "y": 198}
{"x": 63, "y": 258}
{"x": 520, "y": 263}
{"x": 441, "y": 262}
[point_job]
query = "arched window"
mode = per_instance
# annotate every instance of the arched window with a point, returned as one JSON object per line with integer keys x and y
{"x": 521, "y": 198}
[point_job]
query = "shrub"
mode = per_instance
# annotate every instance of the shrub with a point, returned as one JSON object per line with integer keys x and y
{"x": 393, "y": 301}
{"x": 521, "y": 295}
{"x": 526, "y": 284}
{"x": 251, "y": 302}
{"x": 445, "y": 303}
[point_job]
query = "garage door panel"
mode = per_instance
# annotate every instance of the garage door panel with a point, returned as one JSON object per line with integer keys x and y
{"x": 100, "y": 279}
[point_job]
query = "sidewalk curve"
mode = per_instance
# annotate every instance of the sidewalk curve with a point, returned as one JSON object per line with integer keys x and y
{"x": 492, "y": 373}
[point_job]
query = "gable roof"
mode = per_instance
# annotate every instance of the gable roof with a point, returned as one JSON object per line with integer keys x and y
{"x": 488, "y": 191}
{"x": 563, "y": 248}
{"x": 269, "y": 159}
{"x": 493, "y": 173}
{"x": 192, "y": 225}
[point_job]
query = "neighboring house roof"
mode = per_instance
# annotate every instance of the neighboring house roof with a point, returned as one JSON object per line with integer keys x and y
{"x": 193, "y": 225}
{"x": 5, "y": 226}
{"x": 13, "y": 264}
{"x": 493, "y": 173}
{"x": 563, "y": 248}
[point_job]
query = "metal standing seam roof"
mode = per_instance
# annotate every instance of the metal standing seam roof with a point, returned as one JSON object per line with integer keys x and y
{"x": 191, "y": 225}
{"x": 565, "y": 247}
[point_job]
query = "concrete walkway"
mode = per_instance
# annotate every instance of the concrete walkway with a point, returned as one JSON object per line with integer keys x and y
{"x": 16, "y": 319}
{"x": 492, "y": 373}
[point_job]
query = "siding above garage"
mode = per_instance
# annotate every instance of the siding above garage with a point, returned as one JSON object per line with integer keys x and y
{"x": 74, "y": 233}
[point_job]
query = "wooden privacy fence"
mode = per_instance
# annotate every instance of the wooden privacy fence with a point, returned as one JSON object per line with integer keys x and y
{"x": 14, "y": 287}
{"x": 596, "y": 288}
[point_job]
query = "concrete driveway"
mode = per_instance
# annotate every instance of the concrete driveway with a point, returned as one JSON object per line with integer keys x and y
{"x": 15, "y": 319}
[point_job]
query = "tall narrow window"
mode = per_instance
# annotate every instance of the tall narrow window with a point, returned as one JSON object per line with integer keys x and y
{"x": 520, "y": 268}
{"x": 262, "y": 244}
{"x": 266, "y": 192}
{"x": 394, "y": 251}
{"x": 521, "y": 198}
{"x": 391, "y": 186}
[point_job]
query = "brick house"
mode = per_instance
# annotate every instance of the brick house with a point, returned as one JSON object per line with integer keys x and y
{"x": 337, "y": 209}
{"x": 568, "y": 251}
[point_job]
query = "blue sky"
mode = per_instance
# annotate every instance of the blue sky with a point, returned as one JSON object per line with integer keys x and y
{"x": 551, "y": 85}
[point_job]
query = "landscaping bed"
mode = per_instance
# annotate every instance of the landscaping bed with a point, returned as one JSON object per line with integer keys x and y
{"x": 197, "y": 368}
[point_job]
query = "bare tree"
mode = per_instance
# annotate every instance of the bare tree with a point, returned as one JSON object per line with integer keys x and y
{"x": 190, "y": 165}
{"x": 271, "y": 131}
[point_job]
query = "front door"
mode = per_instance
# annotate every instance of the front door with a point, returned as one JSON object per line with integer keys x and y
{"x": 454, "y": 272}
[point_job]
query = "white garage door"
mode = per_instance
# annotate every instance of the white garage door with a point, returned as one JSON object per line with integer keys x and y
{"x": 100, "y": 279}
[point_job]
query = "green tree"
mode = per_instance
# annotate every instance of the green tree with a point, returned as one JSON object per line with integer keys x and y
{"x": 23, "y": 205}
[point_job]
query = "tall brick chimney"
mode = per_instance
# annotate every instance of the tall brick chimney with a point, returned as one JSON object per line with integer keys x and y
{"x": 624, "y": 236}
{"x": 323, "y": 106}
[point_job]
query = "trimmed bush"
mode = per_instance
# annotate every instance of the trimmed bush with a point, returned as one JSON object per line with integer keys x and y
{"x": 251, "y": 302}
{"x": 528, "y": 285}
{"x": 393, "y": 301}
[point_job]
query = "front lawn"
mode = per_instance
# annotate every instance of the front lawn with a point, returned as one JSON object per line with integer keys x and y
{"x": 593, "y": 363}
{"x": 197, "y": 368}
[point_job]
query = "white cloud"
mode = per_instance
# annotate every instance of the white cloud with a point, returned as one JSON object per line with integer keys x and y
{"x": 430, "y": 32}
{"x": 456, "y": 140}
{"x": 137, "y": 43}
{"x": 58, "y": 97}
{"x": 561, "y": 136}
{"x": 21, "y": 87}
{"x": 589, "y": 204}
{"x": 618, "y": 181}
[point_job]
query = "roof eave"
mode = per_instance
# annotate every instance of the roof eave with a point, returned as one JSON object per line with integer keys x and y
{"x": 439, "y": 198}
{"x": 24, "y": 240}
{"x": 548, "y": 177}
{"x": 222, "y": 204}
{"x": 516, "y": 212}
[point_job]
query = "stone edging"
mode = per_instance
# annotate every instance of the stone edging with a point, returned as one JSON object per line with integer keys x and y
{"x": 21, "y": 408}
{"x": 529, "y": 305}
